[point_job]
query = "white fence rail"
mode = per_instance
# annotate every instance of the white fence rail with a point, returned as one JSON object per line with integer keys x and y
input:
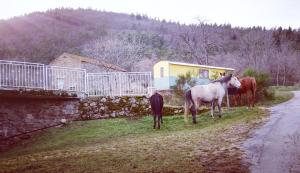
{"x": 119, "y": 84}
{"x": 14, "y": 74}
{"x": 67, "y": 79}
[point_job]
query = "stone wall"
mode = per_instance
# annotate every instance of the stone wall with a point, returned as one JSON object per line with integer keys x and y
{"x": 23, "y": 114}
{"x": 26, "y": 111}
{"x": 110, "y": 107}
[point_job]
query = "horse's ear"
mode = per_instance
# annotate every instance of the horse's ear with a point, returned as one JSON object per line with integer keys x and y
{"x": 237, "y": 73}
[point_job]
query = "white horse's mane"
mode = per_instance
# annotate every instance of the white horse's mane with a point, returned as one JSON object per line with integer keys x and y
{"x": 223, "y": 79}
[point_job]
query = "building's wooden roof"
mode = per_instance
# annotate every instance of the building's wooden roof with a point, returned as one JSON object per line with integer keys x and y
{"x": 93, "y": 61}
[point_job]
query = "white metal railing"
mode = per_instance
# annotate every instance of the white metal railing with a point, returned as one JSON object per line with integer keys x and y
{"x": 14, "y": 74}
{"x": 63, "y": 78}
{"x": 119, "y": 83}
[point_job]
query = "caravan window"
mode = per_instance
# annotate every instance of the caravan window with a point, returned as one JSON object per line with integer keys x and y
{"x": 203, "y": 73}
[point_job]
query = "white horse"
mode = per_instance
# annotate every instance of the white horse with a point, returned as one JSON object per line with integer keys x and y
{"x": 208, "y": 94}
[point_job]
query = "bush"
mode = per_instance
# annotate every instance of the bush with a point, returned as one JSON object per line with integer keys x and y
{"x": 269, "y": 94}
{"x": 182, "y": 83}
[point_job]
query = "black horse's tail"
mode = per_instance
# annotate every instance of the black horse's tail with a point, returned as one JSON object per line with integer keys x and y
{"x": 188, "y": 101}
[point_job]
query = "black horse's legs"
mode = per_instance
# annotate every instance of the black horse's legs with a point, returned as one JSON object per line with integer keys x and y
{"x": 158, "y": 121}
{"x": 154, "y": 118}
{"x": 194, "y": 112}
{"x": 161, "y": 120}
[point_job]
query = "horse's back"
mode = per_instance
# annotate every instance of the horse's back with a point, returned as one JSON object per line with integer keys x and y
{"x": 157, "y": 103}
{"x": 207, "y": 92}
{"x": 248, "y": 83}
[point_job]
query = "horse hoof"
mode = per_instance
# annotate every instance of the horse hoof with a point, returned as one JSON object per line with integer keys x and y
{"x": 194, "y": 122}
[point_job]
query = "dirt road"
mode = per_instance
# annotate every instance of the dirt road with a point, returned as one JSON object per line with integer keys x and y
{"x": 275, "y": 147}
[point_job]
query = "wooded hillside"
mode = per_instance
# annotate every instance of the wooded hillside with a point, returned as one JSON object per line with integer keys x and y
{"x": 136, "y": 42}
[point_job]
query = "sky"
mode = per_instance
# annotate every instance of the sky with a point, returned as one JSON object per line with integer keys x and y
{"x": 238, "y": 13}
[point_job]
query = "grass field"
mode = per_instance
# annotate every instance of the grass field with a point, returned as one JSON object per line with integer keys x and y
{"x": 286, "y": 88}
{"x": 132, "y": 145}
{"x": 281, "y": 94}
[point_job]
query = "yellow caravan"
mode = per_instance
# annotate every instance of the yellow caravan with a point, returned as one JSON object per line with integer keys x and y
{"x": 165, "y": 73}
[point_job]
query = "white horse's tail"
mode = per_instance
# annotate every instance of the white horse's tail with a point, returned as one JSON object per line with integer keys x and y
{"x": 188, "y": 100}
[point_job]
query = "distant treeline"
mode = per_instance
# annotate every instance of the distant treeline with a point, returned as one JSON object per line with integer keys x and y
{"x": 137, "y": 41}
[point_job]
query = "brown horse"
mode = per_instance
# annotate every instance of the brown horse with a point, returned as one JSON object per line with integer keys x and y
{"x": 247, "y": 84}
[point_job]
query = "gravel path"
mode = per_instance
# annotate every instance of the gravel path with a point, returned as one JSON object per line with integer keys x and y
{"x": 275, "y": 147}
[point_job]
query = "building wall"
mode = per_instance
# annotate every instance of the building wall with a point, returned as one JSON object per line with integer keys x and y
{"x": 161, "y": 83}
{"x": 65, "y": 61}
{"x": 176, "y": 70}
{"x": 73, "y": 62}
{"x": 172, "y": 71}
{"x": 92, "y": 68}
{"x": 65, "y": 80}
{"x": 157, "y": 67}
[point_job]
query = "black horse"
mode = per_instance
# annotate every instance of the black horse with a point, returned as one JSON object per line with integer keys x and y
{"x": 157, "y": 103}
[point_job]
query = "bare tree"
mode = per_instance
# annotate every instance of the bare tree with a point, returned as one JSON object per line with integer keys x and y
{"x": 117, "y": 50}
{"x": 196, "y": 42}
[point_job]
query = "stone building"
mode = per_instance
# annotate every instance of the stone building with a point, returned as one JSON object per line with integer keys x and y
{"x": 59, "y": 77}
{"x": 91, "y": 65}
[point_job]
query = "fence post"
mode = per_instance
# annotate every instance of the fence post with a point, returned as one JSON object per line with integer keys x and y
{"x": 44, "y": 77}
{"x": 85, "y": 82}
{"x": 120, "y": 84}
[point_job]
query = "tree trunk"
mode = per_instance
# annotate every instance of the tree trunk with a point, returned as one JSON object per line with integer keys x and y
{"x": 277, "y": 75}
{"x": 284, "y": 75}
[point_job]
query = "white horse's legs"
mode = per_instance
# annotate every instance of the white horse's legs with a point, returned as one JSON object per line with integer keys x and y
{"x": 212, "y": 109}
{"x": 219, "y": 107}
{"x": 194, "y": 111}
{"x": 186, "y": 111}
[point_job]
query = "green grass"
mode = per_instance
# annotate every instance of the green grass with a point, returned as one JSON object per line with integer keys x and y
{"x": 132, "y": 145}
{"x": 83, "y": 133}
{"x": 286, "y": 88}
{"x": 279, "y": 97}
{"x": 121, "y": 144}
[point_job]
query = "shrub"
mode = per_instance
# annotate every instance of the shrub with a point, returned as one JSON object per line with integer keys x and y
{"x": 182, "y": 83}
